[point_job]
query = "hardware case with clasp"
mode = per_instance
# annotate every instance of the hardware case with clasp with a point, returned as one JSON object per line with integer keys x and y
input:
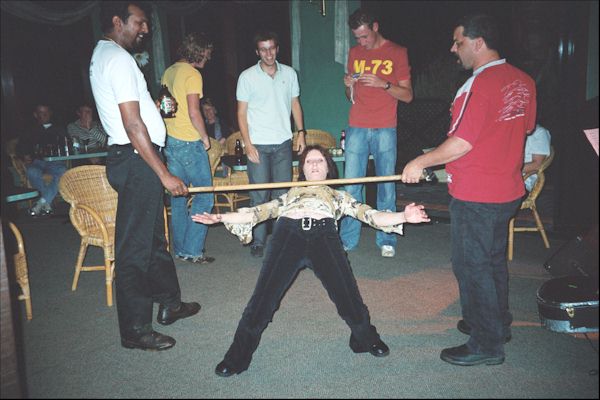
{"x": 569, "y": 304}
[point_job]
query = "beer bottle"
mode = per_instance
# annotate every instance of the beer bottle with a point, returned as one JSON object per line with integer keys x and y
{"x": 239, "y": 152}
{"x": 67, "y": 152}
{"x": 167, "y": 104}
{"x": 75, "y": 145}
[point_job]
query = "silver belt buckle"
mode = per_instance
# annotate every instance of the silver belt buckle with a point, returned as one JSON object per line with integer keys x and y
{"x": 306, "y": 223}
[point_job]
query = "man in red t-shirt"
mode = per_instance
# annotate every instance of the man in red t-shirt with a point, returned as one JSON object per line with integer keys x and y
{"x": 378, "y": 76}
{"x": 491, "y": 115}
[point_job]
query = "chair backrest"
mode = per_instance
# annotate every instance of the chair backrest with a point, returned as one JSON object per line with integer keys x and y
{"x": 315, "y": 136}
{"x": 214, "y": 155}
{"x": 17, "y": 166}
{"x": 541, "y": 178}
{"x": 20, "y": 257}
{"x": 230, "y": 143}
{"x": 88, "y": 185}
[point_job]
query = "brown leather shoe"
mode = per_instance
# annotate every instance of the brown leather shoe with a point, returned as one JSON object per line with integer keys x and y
{"x": 152, "y": 341}
{"x": 167, "y": 316}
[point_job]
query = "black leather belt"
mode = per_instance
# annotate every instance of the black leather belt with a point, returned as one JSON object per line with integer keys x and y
{"x": 307, "y": 223}
{"x": 130, "y": 146}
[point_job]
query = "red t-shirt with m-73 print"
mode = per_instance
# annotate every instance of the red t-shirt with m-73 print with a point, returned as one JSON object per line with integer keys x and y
{"x": 374, "y": 107}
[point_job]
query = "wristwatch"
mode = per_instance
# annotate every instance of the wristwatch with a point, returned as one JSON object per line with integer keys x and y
{"x": 387, "y": 86}
{"x": 302, "y": 131}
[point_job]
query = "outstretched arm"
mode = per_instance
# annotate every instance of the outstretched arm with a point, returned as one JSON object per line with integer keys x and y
{"x": 233, "y": 218}
{"x": 412, "y": 213}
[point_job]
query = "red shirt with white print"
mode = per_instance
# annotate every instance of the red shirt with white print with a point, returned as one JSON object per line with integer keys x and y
{"x": 492, "y": 111}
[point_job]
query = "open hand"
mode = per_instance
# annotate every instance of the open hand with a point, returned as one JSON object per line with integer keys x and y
{"x": 415, "y": 213}
{"x": 207, "y": 219}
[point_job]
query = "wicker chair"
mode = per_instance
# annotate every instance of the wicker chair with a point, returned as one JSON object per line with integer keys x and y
{"x": 17, "y": 168}
{"x": 214, "y": 156}
{"x": 315, "y": 136}
{"x": 21, "y": 270}
{"x": 231, "y": 199}
{"x": 93, "y": 213}
{"x": 529, "y": 203}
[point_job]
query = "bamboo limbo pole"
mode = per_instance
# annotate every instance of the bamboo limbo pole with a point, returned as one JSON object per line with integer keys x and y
{"x": 278, "y": 185}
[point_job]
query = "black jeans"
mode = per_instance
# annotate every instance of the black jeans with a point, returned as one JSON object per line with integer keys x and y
{"x": 144, "y": 269}
{"x": 479, "y": 235}
{"x": 291, "y": 248}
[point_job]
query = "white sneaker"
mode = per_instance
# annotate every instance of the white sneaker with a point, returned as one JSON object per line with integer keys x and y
{"x": 387, "y": 251}
{"x": 47, "y": 208}
{"x": 37, "y": 208}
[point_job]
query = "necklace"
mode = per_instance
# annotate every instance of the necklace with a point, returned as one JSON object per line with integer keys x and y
{"x": 107, "y": 38}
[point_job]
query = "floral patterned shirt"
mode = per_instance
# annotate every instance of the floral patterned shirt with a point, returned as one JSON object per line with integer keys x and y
{"x": 321, "y": 199}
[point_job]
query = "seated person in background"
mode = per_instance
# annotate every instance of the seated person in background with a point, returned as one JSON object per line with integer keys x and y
{"x": 305, "y": 234}
{"x": 87, "y": 134}
{"x": 537, "y": 148}
{"x": 214, "y": 127}
{"x": 31, "y": 148}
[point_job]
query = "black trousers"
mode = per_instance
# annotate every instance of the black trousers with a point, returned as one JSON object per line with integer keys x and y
{"x": 291, "y": 248}
{"x": 144, "y": 269}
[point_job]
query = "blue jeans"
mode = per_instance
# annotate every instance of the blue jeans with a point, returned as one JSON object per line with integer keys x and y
{"x": 381, "y": 143}
{"x": 479, "y": 235}
{"x": 275, "y": 166}
{"x": 35, "y": 174}
{"x": 189, "y": 162}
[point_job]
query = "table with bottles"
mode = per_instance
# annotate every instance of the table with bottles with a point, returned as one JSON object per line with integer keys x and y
{"x": 239, "y": 163}
{"x": 70, "y": 150}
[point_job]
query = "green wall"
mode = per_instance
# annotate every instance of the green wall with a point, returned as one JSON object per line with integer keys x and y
{"x": 321, "y": 79}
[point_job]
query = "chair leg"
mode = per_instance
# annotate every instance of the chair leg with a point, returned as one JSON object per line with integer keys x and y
{"x": 26, "y": 296}
{"x": 109, "y": 281}
{"x": 80, "y": 257}
{"x": 540, "y": 227}
{"x": 28, "y": 310}
{"x": 511, "y": 234}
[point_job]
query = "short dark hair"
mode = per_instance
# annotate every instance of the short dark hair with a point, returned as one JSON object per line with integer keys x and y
{"x": 481, "y": 26}
{"x": 193, "y": 47}
{"x": 361, "y": 17}
{"x": 109, "y": 9}
{"x": 332, "y": 172}
{"x": 263, "y": 36}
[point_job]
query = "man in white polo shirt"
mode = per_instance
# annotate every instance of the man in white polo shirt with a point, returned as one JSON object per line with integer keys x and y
{"x": 267, "y": 93}
{"x": 144, "y": 269}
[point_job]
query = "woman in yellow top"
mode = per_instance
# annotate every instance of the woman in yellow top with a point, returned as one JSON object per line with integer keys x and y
{"x": 305, "y": 234}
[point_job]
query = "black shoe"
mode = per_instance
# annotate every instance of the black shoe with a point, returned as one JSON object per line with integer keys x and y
{"x": 167, "y": 316}
{"x": 466, "y": 329}
{"x": 378, "y": 349}
{"x": 256, "y": 251}
{"x": 461, "y": 355}
{"x": 223, "y": 370}
{"x": 152, "y": 341}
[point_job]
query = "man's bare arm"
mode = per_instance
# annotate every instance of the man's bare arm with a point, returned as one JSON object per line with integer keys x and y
{"x": 242, "y": 115}
{"x": 193, "y": 103}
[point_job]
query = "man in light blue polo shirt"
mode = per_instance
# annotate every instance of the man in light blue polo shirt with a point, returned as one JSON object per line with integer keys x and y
{"x": 267, "y": 93}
